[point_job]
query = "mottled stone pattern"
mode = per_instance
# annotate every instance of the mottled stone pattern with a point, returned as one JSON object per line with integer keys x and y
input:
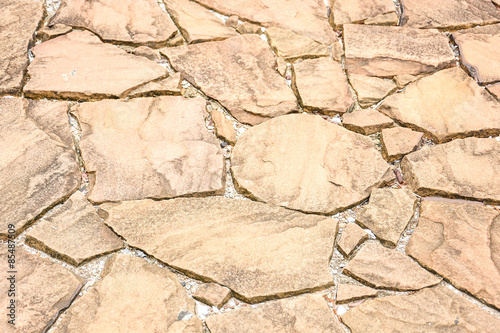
{"x": 367, "y": 11}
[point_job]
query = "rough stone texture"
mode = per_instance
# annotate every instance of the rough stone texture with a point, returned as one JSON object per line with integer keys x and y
{"x": 352, "y": 236}
{"x": 467, "y": 168}
{"x": 238, "y": 72}
{"x": 370, "y": 89}
{"x": 232, "y": 21}
{"x": 379, "y": 267}
{"x": 388, "y": 213}
{"x": 349, "y": 293}
{"x": 437, "y": 309}
{"x": 300, "y": 315}
{"x": 248, "y": 28}
{"x": 79, "y": 65}
{"x": 133, "y": 296}
{"x": 337, "y": 51}
{"x": 177, "y": 40}
{"x": 384, "y": 19}
{"x": 258, "y": 251}
{"x": 494, "y": 89}
{"x": 213, "y": 294}
{"x": 403, "y": 79}
{"x": 358, "y": 11}
{"x": 389, "y": 51}
{"x": 399, "y": 141}
{"x": 196, "y": 23}
{"x": 193, "y": 325}
{"x": 149, "y": 148}
{"x": 322, "y": 86}
{"x": 48, "y": 32}
{"x": 36, "y": 171}
{"x": 168, "y": 86}
{"x": 74, "y": 233}
{"x": 292, "y": 46}
{"x": 223, "y": 126}
{"x": 147, "y": 52}
{"x": 460, "y": 241}
{"x": 18, "y": 22}
{"x": 441, "y": 105}
{"x": 366, "y": 121}
{"x": 139, "y": 22}
{"x": 305, "y": 163}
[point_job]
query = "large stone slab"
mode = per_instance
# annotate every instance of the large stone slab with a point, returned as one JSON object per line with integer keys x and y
{"x": 258, "y": 251}
{"x": 467, "y": 168}
{"x": 149, "y": 148}
{"x": 79, "y": 66}
{"x": 291, "y": 46}
{"x": 460, "y": 240}
{"x": 238, "y": 72}
{"x": 359, "y": 11}
{"x": 446, "y": 105}
{"x": 305, "y": 163}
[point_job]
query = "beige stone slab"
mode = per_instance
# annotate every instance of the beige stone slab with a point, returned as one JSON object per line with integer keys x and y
{"x": 370, "y": 89}
{"x": 359, "y": 11}
{"x": 223, "y": 126}
{"x": 494, "y": 89}
{"x": 349, "y": 293}
{"x": 213, "y": 294}
{"x": 366, "y": 121}
{"x": 291, "y": 46}
{"x": 399, "y": 141}
{"x": 49, "y": 32}
{"x": 168, "y": 86}
{"x": 352, "y": 236}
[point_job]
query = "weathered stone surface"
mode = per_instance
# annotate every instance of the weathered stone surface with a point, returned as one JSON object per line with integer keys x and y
{"x": 322, "y": 86}
{"x": 49, "y": 32}
{"x": 358, "y": 11}
{"x": 127, "y": 21}
{"x": 79, "y": 65}
{"x": 73, "y": 233}
{"x": 366, "y": 121}
{"x": 379, "y": 267}
{"x": 337, "y": 51}
{"x": 147, "y": 298}
{"x": 292, "y": 46}
{"x": 371, "y": 89}
{"x": 196, "y": 23}
{"x": 388, "y": 213}
{"x": 349, "y": 292}
{"x": 303, "y": 314}
{"x": 36, "y": 171}
{"x": 303, "y": 162}
{"x": 389, "y": 51}
{"x": 42, "y": 289}
{"x": 223, "y": 126}
{"x": 259, "y": 251}
{"x": 149, "y": 148}
{"x": 238, "y": 72}
{"x": 177, "y": 40}
{"x": 494, "y": 89}
{"x": 193, "y": 325}
{"x": 281, "y": 66}
{"x": 437, "y": 309}
{"x": 18, "y": 22}
{"x": 248, "y": 28}
{"x": 232, "y": 21}
{"x": 168, "y": 86}
{"x": 467, "y": 168}
{"x": 403, "y": 79}
{"x": 441, "y": 105}
{"x": 351, "y": 237}
{"x": 383, "y": 19}
{"x": 460, "y": 241}
{"x": 147, "y": 52}
{"x": 213, "y": 294}
{"x": 399, "y": 141}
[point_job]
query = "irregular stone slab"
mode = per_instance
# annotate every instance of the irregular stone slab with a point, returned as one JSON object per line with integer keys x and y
{"x": 49, "y": 32}
{"x": 193, "y": 325}
{"x": 441, "y": 106}
{"x": 467, "y": 168}
{"x": 449, "y": 14}
{"x": 389, "y": 51}
{"x": 74, "y": 233}
{"x": 322, "y": 86}
{"x": 437, "y": 309}
{"x": 347, "y": 293}
{"x": 19, "y": 21}
{"x": 292, "y": 46}
{"x": 384, "y": 19}
{"x": 305, "y": 163}
{"x": 42, "y": 290}
{"x": 366, "y": 121}
{"x": 147, "y": 52}
{"x": 238, "y": 72}
{"x": 129, "y": 286}
{"x": 248, "y": 28}
{"x": 358, "y": 11}
{"x": 351, "y": 237}
{"x": 36, "y": 171}
{"x": 403, "y": 79}
{"x": 168, "y": 86}
{"x": 303, "y": 314}
{"x": 140, "y": 22}
{"x": 149, "y": 148}
{"x": 399, "y": 141}
{"x": 494, "y": 89}
{"x": 223, "y": 126}
{"x": 52, "y": 118}
{"x": 259, "y": 251}
{"x": 78, "y": 65}
{"x": 213, "y": 294}
{"x": 371, "y": 89}
{"x": 379, "y": 267}
{"x": 469, "y": 233}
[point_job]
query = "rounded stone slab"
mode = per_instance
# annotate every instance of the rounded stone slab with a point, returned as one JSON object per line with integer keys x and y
{"x": 467, "y": 168}
{"x": 149, "y": 148}
{"x": 460, "y": 240}
{"x": 305, "y": 163}
{"x": 259, "y": 251}
{"x": 358, "y": 11}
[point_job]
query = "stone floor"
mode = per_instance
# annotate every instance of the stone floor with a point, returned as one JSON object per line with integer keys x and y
{"x": 250, "y": 166}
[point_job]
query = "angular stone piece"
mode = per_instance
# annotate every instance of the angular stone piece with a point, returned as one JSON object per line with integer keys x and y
{"x": 403, "y": 79}
{"x": 177, "y": 40}
{"x": 388, "y": 213}
{"x": 232, "y": 21}
{"x": 19, "y": 20}
{"x": 460, "y": 241}
{"x": 78, "y": 65}
{"x": 379, "y": 267}
{"x": 358, "y": 11}
{"x": 257, "y": 250}
{"x": 238, "y": 72}
{"x": 337, "y": 51}
{"x": 149, "y": 148}
{"x": 49, "y": 32}
{"x": 130, "y": 285}
{"x": 168, "y": 86}
{"x": 281, "y": 66}
{"x": 249, "y": 28}
{"x": 494, "y": 89}
{"x": 193, "y": 325}
{"x": 147, "y": 52}
{"x": 371, "y": 89}
{"x": 349, "y": 293}
{"x": 366, "y": 121}
{"x": 467, "y": 168}
{"x": 213, "y": 294}
{"x": 303, "y": 314}
{"x": 292, "y": 46}
{"x": 223, "y": 126}
{"x": 305, "y": 163}
{"x": 399, "y": 141}
{"x": 441, "y": 105}
{"x": 383, "y": 19}
{"x": 352, "y": 236}
{"x": 140, "y": 22}
{"x": 389, "y": 51}
{"x": 52, "y": 118}
{"x": 322, "y": 86}
{"x": 437, "y": 309}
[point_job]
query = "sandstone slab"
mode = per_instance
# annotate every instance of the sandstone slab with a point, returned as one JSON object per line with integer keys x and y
{"x": 494, "y": 89}
{"x": 149, "y": 148}
{"x": 223, "y": 126}
{"x": 258, "y": 251}
{"x": 147, "y": 52}
{"x": 399, "y": 141}
{"x": 305, "y": 163}
{"x": 366, "y": 121}
{"x": 213, "y": 294}
{"x": 248, "y": 28}
{"x": 49, "y": 32}
{"x": 168, "y": 86}
{"x": 238, "y": 72}
{"x": 359, "y": 11}
{"x": 349, "y": 293}
{"x": 351, "y": 237}
{"x": 370, "y": 89}
{"x": 291, "y": 46}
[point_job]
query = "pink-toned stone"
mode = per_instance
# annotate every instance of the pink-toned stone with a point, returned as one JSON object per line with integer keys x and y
{"x": 370, "y": 89}
{"x": 366, "y": 121}
{"x": 350, "y": 292}
{"x": 351, "y": 237}
{"x": 494, "y": 89}
{"x": 399, "y": 141}
{"x": 359, "y": 11}
{"x": 292, "y": 46}
{"x": 168, "y": 86}
{"x": 223, "y": 126}
{"x": 49, "y": 32}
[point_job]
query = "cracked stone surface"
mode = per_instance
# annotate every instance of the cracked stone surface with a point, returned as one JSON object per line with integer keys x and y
{"x": 359, "y": 11}
{"x": 213, "y": 294}
{"x": 366, "y": 121}
{"x": 49, "y": 32}
{"x": 349, "y": 292}
{"x": 351, "y": 237}
{"x": 494, "y": 89}
{"x": 291, "y": 46}
{"x": 370, "y": 89}
{"x": 168, "y": 86}
{"x": 223, "y": 126}
{"x": 399, "y": 141}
